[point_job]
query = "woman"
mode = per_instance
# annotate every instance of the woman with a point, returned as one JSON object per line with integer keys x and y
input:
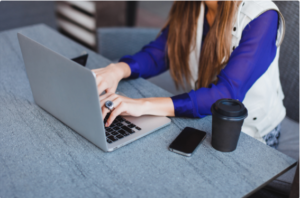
{"x": 225, "y": 49}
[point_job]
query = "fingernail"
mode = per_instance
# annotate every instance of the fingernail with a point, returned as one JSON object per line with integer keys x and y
{"x": 106, "y": 124}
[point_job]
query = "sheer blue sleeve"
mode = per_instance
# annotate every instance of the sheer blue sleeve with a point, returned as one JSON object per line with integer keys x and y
{"x": 151, "y": 60}
{"x": 249, "y": 61}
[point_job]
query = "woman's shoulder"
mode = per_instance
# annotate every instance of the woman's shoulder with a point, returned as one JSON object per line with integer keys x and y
{"x": 253, "y": 9}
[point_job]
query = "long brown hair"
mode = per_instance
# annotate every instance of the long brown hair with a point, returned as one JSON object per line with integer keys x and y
{"x": 181, "y": 40}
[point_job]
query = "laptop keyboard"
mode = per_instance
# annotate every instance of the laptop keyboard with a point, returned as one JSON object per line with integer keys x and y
{"x": 119, "y": 129}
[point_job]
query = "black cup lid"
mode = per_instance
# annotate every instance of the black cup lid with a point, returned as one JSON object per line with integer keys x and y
{"x": 230, "y": 108}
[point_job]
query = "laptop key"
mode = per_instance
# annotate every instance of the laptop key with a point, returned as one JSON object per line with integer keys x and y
{"x": 116, "y": 128}
{"x": 112, "y": 138}
{"x": 120, "y": 136}
{"x": 107, "y": 134}
{"x": 109, "y": 141}
{"x": 120, "y": 119}
{"x": 127, "y": 129}
{"x": 131, "y": 126}
{"x": 138, "y": 128}
{"x": 123, "y": 132}
{"x": 115, "y": 122}
{"x": 119, "y": 124}
{"x": 108, "y": 129}
{"x": 114, "y": 133}
{"x": 127, "y": 122}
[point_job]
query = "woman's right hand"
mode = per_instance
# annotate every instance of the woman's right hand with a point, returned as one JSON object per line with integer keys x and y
{"x": 108, "y": 78}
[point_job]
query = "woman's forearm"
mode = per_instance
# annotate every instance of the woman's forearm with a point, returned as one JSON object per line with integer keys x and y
{"x": 157, "y": 106}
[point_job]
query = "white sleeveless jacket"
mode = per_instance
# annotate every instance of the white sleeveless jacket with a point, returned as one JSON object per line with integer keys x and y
{"x": 264, "y": 99}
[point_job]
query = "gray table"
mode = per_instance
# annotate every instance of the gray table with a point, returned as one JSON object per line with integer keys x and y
{"x": 41, "y": 157}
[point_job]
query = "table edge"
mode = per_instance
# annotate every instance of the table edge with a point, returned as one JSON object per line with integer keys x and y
{"x": 270, "y": 180}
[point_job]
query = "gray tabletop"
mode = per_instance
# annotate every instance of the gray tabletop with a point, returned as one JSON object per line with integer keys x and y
{"x": 41, "y": 157}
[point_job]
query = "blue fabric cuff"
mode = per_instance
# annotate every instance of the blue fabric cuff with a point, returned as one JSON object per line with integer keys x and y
{"x": 183, "y": 105}
{"x": 200, "y": 106}
{"x": 134, "y": 66}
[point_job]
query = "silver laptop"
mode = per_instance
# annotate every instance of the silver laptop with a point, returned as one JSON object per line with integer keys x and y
{"x": 69, "y": 92}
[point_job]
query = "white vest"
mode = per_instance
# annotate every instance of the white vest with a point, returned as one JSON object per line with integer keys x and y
{"x": 264, "y": 99}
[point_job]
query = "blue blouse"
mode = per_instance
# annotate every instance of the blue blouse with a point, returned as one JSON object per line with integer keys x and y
{"x": 248, "y": 61}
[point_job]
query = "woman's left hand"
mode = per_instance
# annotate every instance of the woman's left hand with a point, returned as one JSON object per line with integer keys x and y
{"x": 122, "y": 106}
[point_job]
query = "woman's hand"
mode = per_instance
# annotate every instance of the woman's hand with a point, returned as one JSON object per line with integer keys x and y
{"x": 122, "y": 106}
{"x": 109, "y": 77}
{"x": 135, "y": 107}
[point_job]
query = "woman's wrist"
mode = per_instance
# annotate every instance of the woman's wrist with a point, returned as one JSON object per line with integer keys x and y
{"x": 157, "y": 106}
{"x": 122, "y": 70}
{"x": 146, "y": 106}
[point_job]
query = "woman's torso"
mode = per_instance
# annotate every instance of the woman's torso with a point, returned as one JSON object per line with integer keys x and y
{"x": 264, "y": 99}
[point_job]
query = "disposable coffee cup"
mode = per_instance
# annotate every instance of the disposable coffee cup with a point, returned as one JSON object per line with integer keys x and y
{"x": 227, "y": 119}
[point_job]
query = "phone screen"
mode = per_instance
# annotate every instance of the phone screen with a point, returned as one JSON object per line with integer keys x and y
{"x": 187, "y": 141}
{"x": 81, "y": 59}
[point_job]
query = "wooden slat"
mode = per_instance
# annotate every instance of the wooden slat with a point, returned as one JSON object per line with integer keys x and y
{"x": 87, "y": 6}
{"x": 78, "y": 32}
{"x": 76, "y": 16}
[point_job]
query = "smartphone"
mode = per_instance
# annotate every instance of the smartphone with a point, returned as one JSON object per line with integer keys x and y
{"x": 82, "y": 59}
{"x": 187, "y": 141}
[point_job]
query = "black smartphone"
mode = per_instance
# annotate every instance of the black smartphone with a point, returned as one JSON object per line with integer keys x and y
{"x": 187, "y": 141}
{"x": 82, "y": 59}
